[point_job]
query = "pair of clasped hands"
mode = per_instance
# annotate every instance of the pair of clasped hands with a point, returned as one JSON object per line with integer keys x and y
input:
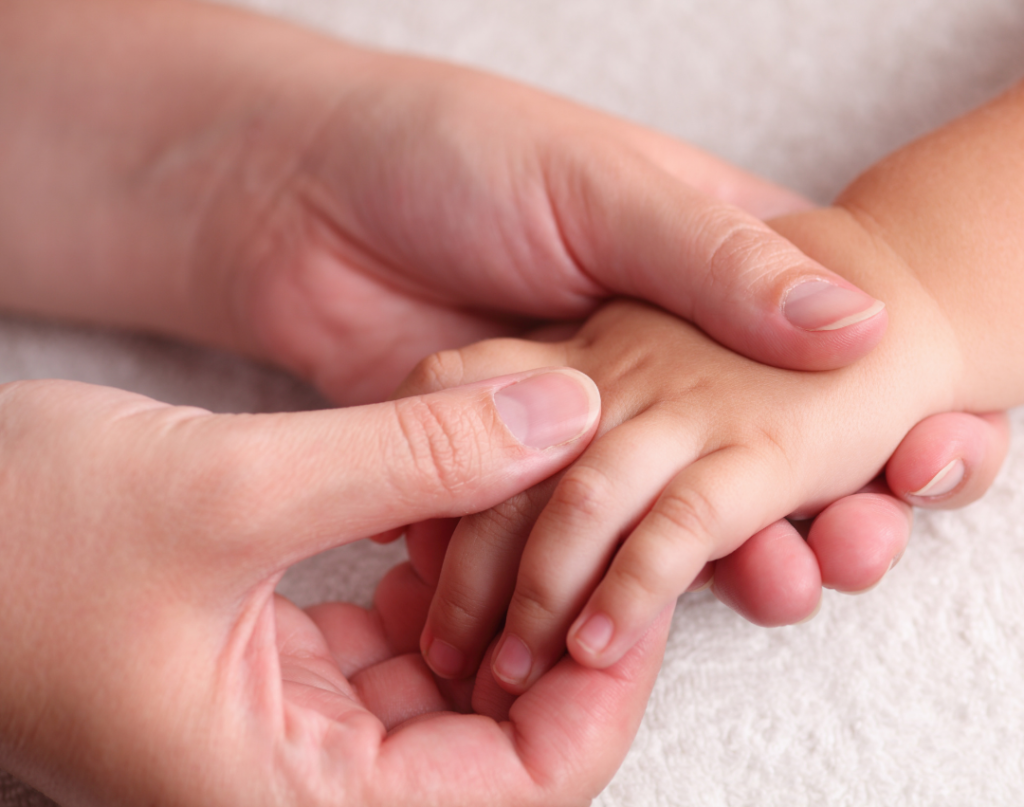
{"x": 218, "y": 177}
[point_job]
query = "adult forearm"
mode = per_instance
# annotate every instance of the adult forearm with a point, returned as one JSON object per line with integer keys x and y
{"x": 133, "y": 138}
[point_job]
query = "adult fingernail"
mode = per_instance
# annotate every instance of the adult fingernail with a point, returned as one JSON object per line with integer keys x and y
{"x": 943, "y": 482}
{"x": 859, "y": 591}
{"x": 445, "y": 660}
{"x": 514, "y": 661}
{"x": 812, "y": 614}
{"x": 702, "y": 581}
{"x": 549, "y": 409}
{"x": 595, "y": 634}
{"x": 818, "y": 305}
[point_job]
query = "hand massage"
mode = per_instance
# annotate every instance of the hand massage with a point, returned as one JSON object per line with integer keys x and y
{"x": 391, "y": 418}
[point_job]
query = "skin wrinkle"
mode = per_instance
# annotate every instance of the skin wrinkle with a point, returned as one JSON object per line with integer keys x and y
{"x": 253, "y": 137}
{"x": 348, "y": 249}
{"x": 438, "y": 371}
{"x": 285, "y": 186}
{"x": 436, "y": 439}
{"x": 732, "y": 238}
{"x": 570, "y": 252}
{"x": 876, "y": 231}
{"x": 452, "y": 606}
{"x": 870, "y": 227}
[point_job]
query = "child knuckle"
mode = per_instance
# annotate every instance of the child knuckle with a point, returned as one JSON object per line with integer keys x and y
{"x": 438, "y": 371}
{"x": 458, "y": 607}
{"x": 511, "y": 518}
{"x": 687, "y": 516}
{"x": 585, "y": 493}
{"x": 639, "y": 579}
{"x": 535, "y": 601}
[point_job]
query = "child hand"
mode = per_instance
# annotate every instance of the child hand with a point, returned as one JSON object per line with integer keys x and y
{"x": 686, "y": 481}
{"x": 775, "y": 577}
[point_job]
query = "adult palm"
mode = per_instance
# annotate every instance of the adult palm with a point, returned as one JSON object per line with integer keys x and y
{"x": 147, "y": 659}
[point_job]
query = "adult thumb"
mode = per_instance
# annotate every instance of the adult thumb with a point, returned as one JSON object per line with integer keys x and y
{"x": 295, "y": 484}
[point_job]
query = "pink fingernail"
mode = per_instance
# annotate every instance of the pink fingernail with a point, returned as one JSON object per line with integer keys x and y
{"x": 818, "y": 305}
{"x": 945, "y": 481}
{"x": 445, "y": 660}
{"x": 595, "y": 634}
{"x": 514, "y": 661}
{"x": 549, "y": 409}
{"x": 702, "y": 581}
{"x": 812, "y": 614}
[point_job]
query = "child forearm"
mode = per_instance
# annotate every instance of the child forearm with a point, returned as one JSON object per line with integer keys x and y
{"x": 937, "y": 231}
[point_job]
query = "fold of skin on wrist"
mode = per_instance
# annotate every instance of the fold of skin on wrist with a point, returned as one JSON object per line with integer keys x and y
{"x": 935, "y": 230}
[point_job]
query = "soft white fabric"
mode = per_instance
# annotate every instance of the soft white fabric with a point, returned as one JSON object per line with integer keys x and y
{"x": 912, "y": 694}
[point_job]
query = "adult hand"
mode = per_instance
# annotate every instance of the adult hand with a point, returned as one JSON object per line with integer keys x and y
{"x": 226, "y": 178}
{"x": 146, "y": 658}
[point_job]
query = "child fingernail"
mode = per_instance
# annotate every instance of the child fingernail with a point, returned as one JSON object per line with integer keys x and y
{"x": 595, "y": 634}
{"x": 945, "y": 481}
{"x": 445, "y": 660}
{"x": 549, "y": 409}
{"x": 818, "y": 305}
{"x": 514, "y": 661}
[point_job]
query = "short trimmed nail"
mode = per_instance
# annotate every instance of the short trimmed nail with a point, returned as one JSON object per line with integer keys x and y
{"x": 872, "y": 587}
{"x": 513, "y": 662}
{"x": 702, "y": 581}
{"x": 818, "y": 305}
{"x": 595, "y": 634}
{"x": 445, "y": 660}
{"x": 895, "y": 560}
{"x": 549, "y": 409}
{"x": 812, "y": 614}
{"x": 943, "y": 482}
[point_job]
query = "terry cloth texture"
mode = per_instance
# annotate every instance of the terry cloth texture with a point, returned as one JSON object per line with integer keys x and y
{"x": 910, "y": 695}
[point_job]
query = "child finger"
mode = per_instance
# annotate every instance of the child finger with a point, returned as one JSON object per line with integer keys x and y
{"x": 476, "y": 583}
{"x": 427, "y": 543}
{"x": 596, "y": 502}
{"x": 705, "y": 513}
{"x": 772, "y": 579}
{"x": 479, "y": 362}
